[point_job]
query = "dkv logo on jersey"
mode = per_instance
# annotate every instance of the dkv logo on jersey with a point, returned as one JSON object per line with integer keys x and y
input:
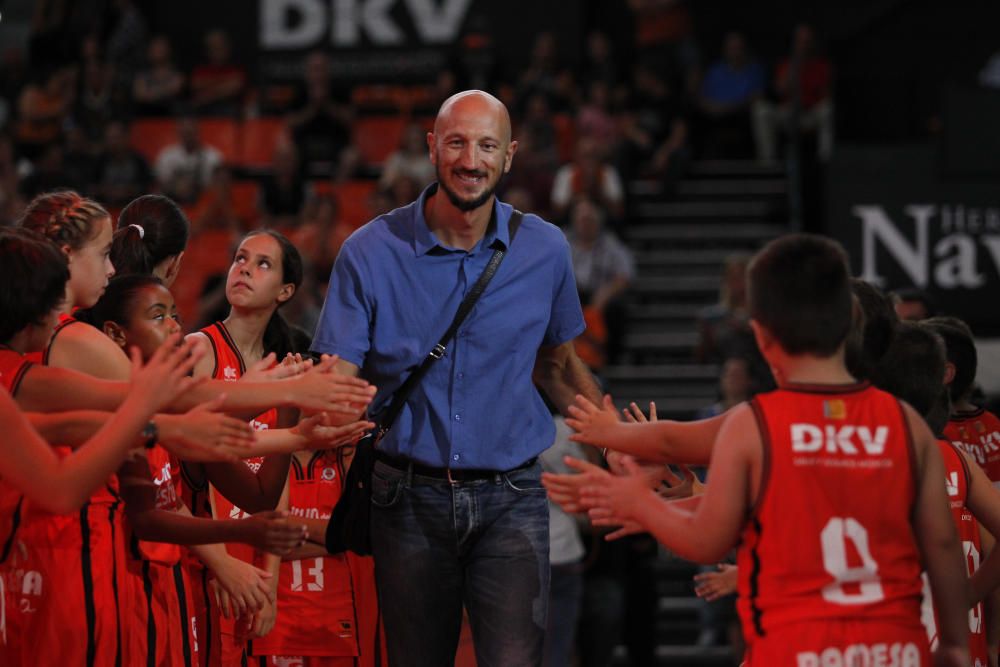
{"x": 846, "y": 439}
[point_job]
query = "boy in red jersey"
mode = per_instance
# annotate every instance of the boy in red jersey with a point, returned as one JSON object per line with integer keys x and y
{"x": 834, "y": 486}
{"x": 974, "y": 429}
{"x": 914, "y": 370}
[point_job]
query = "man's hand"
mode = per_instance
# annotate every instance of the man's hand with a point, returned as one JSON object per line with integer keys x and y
{"x": 321, "y": 389}
{"x": 711, "y": 586}
{"x": 321, "y": 433}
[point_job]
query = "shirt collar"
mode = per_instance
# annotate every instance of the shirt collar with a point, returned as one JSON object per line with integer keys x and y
{"x": 424, "y": 239}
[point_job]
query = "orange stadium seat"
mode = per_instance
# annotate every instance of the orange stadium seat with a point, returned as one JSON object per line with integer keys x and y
{"x": 149, "y": 136}
{"x": 208, "y": 253}
{"x": 352, "y": 199}
{"x": 258, "y": 137}
{"x": 223, "y": 134}
{"x": 376, "y": 137}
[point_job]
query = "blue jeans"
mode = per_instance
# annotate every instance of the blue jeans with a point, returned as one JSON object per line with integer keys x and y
{"x": 439, "y": 546}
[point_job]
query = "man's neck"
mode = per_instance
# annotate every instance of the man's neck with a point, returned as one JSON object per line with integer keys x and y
{"x": 453, "y": 227}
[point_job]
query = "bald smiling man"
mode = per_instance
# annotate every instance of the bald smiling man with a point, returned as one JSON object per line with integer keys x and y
{"x": 459, "y": 516}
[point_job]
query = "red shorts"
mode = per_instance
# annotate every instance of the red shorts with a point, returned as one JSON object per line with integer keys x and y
{"x": 161, "y": 629}
{"x": 838, "y": 643}
{"x": 62, "y": 580}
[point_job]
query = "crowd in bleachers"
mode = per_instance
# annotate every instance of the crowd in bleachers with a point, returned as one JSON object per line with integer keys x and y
{"x": 118, "y": 117}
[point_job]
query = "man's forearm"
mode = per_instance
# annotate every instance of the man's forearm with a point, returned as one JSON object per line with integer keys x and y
{"x": 561, "y": 383}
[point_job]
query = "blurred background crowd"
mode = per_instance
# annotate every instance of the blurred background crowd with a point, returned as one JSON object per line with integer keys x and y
{"x": 668, "y": 139}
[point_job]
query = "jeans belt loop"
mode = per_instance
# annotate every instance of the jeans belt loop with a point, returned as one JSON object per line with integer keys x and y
{"x": 451, "y": 480}
{"x": 409, "y": 474}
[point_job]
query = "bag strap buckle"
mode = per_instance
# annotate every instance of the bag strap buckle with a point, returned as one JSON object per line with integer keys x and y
{"x": 438, "y": 351}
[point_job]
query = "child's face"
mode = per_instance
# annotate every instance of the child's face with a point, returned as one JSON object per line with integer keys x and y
{"x": 90, "y": 266}
{"x": 255, "y": 277}
{"x": 153, "y": 318}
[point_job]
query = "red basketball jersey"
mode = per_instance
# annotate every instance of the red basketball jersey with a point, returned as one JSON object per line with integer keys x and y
{"x": 829, "y": 537}
{"x": 957, "y": 479}
{"x": 223, "y": 637}
{"x": 66, "y": 573}
{"x": 13, "y": 367}
{"x": 978, "y": 433}
{"x": 327, "y": 606}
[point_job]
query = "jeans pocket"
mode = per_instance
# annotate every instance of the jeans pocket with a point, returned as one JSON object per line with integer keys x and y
{"x": 385, "y": 490}
{"x": 527, "y": 481}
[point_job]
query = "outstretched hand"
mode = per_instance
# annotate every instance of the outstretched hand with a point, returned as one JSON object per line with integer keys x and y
{"x": 321, "y": 432}
{"x": 613, "y": 500}
{"x": 711, "y": 586}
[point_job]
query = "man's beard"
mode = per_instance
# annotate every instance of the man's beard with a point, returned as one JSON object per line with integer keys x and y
{"x": 467, "y": 205}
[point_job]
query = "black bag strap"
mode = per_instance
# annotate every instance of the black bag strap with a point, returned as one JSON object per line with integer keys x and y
{"x": 403, "y": 393}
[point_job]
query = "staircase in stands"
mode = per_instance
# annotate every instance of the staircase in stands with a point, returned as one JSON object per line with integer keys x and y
{"x": 680, "y": 243}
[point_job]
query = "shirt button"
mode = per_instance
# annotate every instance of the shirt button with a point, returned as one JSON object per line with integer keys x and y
{"x": 458, "y": 418}
{"x": 455, "y": 457}
{"x": 461, "y": 375}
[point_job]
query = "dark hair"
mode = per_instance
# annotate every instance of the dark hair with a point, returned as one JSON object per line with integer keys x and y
{"x": 799, "y": 291}
{"x": 918, "y": 295}
{"x": 937, "y": 417}
{"x": 278, "y": 336}
{"x": 33, "y": 276}
{"x": 961, "y": 351}
{"x": 165, "y": 232}
{"x": 872, "y": 332}
{"x": 64, "y": 217}
{"x": 117, "y": 301}
{"x": 913, "y": 367}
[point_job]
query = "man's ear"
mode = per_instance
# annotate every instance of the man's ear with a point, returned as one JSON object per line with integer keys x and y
{"x": 116, "y": 333}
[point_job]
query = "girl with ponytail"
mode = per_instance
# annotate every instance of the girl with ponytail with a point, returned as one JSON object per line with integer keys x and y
{"x": 151, "y": 238}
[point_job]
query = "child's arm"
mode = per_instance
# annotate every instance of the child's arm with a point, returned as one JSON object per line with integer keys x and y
{"x": 940, "y": 549}
{"x": 706, "y": 533}
{"x": 983, "y": 500}
{"x": 661, "y": 441}
{"x": 264, "y": 620}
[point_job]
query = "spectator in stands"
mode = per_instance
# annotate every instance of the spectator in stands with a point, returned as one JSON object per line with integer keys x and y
{"x": 604, "y": 268}
{"x": 49, "y": 173}
{"x": 80, "y": 160}
{"x": 185, "y": 168}
{"x": 157, "y": 87}
{"x": 803, "y": 86}
{"x": 532, "y": 173}
{"x": 653, "y": 129}
{"x": 94, "y": 104}
{"x": 13, "y": 75}
{"x": 321, "y": 234}
{"x": 912, "y": 303}
{"x": 537, "y": 124}
{"x": 410, "y": 160}
{"x": 589, "y": 175}
{"x": 735, "y": 386}
{"x": 283, "y": 191}
{"x": 724, "y": 329}
{"x": 218, "y": 85}
{"x": 664, "y": 38}
{"x": 727, "y": 92}
{"x": 219, "y": 207}
{"x": 544, "y": 75}
{"x": 122, "y": 173}
{"x": 595, "y": 118}
{"x": 599, "y": 62}
{"x": 43, "y": 107}
{"x": 126, "y": 45}
{"x": 321, "y": 122}
{"x": 11, "y": 203}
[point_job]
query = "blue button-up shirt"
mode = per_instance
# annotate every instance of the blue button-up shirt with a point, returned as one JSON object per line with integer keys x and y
{"x": 395, "y": 290}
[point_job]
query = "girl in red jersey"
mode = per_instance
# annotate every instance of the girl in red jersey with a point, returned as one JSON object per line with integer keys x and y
{"x": 137, "y": 310}
{"x": 265, "y": 273}
{"x": 328, "y": 603}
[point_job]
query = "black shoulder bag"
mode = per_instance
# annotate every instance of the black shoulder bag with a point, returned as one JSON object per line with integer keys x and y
{"x": 349, "y": 528}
